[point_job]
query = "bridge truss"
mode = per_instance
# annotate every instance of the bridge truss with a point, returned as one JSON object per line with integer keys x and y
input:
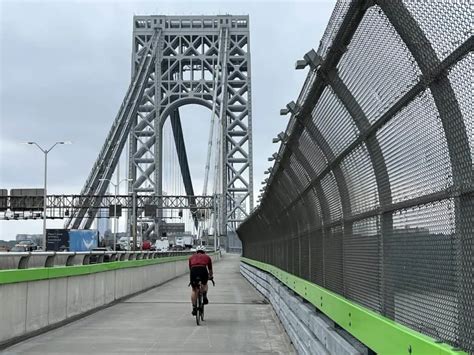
{"x": 65, "y": 206}
{"x": 176, "y": 61}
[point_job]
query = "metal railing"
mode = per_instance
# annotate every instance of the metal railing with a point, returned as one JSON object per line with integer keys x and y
{"x": 372, "y": 191}
{"x": 28, "y": 260}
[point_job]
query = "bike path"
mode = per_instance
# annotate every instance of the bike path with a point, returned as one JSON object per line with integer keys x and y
{"x": 159, "y": 321}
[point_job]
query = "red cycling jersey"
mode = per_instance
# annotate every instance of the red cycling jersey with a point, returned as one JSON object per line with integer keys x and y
{"x": 200, "y": 259}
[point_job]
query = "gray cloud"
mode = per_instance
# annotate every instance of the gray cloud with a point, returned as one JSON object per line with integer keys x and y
{"x": 65, "y": 67}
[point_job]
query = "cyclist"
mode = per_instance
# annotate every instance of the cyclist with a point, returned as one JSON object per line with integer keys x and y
{"x": 200, "y": 267}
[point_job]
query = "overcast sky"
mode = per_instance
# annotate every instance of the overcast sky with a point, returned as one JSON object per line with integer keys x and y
{"x": 65, "y": 67}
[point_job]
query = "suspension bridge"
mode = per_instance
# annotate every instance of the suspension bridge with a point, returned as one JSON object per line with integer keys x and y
{"x": 361, "y": 241}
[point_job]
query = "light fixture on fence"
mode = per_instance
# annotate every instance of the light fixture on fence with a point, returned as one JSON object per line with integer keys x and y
{"x": 281, "y": 137}
{"x": 273, "y": 157}
{"x": 291, "y": 107}
{"x": 311, "y": 58}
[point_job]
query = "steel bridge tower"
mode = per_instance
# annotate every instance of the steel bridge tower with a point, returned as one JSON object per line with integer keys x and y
{"x": 180, "y": 60}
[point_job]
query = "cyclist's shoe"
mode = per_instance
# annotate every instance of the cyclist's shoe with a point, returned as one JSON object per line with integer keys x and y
{"x": 205, "y": 300}
{"x": 194, "y": 312}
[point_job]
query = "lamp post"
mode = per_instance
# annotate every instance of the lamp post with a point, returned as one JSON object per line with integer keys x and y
{"x": 45, "y": 152}
{"x": 115, "y": 206}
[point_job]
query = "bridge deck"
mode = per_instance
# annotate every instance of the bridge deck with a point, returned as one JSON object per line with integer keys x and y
{"x": 160, "y": 321}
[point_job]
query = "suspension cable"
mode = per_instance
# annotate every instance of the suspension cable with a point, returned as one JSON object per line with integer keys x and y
{"x": 220, "y": 124}
{"x": 221, "y": 134}
{"x": 216, "y": 78}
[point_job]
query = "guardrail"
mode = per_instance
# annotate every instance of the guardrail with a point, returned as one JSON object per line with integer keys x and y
{"x": 28, "y": 260}
{"x": 377, "y": 332}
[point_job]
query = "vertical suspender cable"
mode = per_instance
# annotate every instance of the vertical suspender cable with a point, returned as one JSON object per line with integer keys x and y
{"x": 213, "y": 114}
{"x": 222, "y": 117}
{"x": 221, "y": 120}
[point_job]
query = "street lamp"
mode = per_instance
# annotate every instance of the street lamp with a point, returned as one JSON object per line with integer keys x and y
{"x": 115, "y": 206}
{"x": 45, "y": 152}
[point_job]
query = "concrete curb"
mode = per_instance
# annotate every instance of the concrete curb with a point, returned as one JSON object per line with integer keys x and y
{"x": 310, "y": 331}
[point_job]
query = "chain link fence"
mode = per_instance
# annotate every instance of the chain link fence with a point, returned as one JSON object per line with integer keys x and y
{"x": 371, "y": 193}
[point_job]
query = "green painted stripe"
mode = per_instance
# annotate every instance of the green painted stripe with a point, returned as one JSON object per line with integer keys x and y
{"x": 382, "y": 335}
{"x": 23, "y": 275}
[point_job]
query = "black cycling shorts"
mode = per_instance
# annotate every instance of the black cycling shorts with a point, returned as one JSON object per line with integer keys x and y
{"x": 199, "y": 273}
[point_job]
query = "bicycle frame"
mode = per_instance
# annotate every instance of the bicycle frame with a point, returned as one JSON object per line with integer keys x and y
{"x": 200, "y": 302}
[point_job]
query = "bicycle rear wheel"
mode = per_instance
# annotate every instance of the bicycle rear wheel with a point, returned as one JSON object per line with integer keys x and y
{"x": 198, "y": 316}
{"x": 199, "y": 308}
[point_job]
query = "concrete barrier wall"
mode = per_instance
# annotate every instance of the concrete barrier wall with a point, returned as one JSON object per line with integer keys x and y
{"x": 311, "y": 332}
{"x": 27, "y": 307}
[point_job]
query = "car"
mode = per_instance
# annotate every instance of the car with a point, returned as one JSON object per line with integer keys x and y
{"x": 19, "y": 249}
{"x": 146, "y": 245}
{"x": 29, "y": 244}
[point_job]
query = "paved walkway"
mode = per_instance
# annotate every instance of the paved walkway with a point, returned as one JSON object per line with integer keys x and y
{"x": 159, "y": 321}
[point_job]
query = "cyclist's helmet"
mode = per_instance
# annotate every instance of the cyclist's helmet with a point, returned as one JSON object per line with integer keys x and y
{"x": 201, "y": 248}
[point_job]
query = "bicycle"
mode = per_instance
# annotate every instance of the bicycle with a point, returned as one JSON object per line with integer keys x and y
{"x": 200, "y": 302}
